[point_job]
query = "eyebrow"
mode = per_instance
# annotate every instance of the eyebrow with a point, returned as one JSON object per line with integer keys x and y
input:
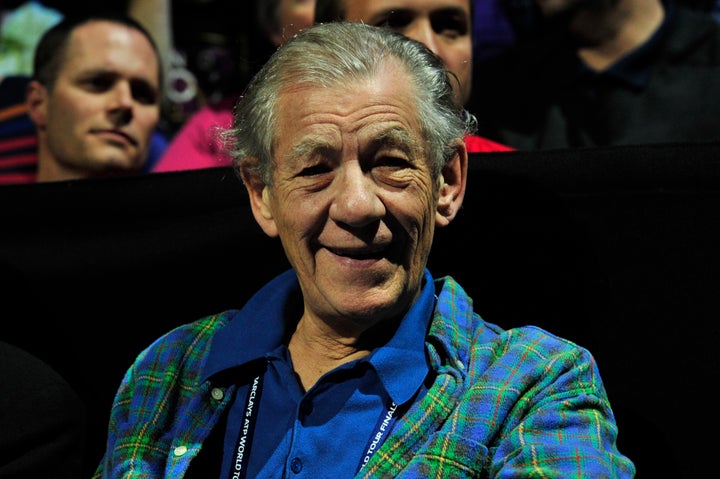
{"x": 316, "y": 145}
{"x": 91, "y": 72}
{"x": 309, "y": 147}
{"x": 385, "y": 13}
{"x": 395, "y": 137}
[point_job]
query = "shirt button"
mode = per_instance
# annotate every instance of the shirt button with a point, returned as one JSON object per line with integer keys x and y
{"x": 180, "y": 451}
{"x": 296, "y": 465}
{"x": 217, "y": 393}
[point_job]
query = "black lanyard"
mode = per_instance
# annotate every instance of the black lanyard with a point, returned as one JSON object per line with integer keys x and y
{"x": 242, "y": 450}
{"x": 238, "y": 470}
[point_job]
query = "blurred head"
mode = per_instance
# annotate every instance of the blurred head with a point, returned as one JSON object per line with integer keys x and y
{"x": 553, "y": 8}
{"x": 350, "y": 143}
{"x": 445, "y": 26}
{"x": 284, "y": 18}
{"x": 94, "y": 97}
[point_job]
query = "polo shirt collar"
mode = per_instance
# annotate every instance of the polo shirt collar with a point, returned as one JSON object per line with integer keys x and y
{"x": 256, "y": 329}
{"x": 264, "y": 322}
{"x": 402, "y": 364}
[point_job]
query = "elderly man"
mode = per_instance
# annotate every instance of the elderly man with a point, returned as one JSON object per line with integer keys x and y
{"x": 357, "y": 362}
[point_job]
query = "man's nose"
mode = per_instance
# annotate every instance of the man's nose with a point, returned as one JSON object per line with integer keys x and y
{"x": 121, "y": 95}
{"x": 422, "y": 31}
{"x": 355, "y": 200}
{"x": 121, "y": 102}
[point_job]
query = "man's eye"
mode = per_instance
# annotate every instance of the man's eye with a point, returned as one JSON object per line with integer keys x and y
{"x": 395, "y": 20}
{"x": 314, "y": 170}
{"x": 144, "y": 93}
{"x": 391, "y": 162}
{"x": 99, "y": 83}
{"x": 450, "y": 25}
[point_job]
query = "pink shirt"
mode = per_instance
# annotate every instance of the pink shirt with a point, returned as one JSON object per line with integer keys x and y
{"x": 196, "y": 145}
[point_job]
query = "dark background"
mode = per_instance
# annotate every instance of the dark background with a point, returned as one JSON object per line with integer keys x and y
{"x": 614, "y": 248}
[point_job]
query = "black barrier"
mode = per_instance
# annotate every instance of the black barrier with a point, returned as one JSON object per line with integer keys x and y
{"x": 614, "y": 248}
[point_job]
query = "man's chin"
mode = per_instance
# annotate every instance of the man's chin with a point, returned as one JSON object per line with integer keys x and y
{"x": 119, "y": 164}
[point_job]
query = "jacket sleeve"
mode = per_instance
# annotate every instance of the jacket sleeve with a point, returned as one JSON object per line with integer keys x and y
{"x": 558, "y": 422}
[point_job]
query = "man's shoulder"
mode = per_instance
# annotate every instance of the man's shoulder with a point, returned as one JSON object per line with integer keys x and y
{"x": 462, "y": 329}
{"x": 694, "y": 36}
{"x": 188, "y": 342}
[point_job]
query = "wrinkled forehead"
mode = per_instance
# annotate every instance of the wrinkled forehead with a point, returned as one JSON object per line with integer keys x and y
{"x": 389, "y": 76}
{"x": 387, "y": 96}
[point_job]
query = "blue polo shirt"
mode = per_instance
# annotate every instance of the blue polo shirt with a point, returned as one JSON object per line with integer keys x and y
{"x": 273, "y": 429}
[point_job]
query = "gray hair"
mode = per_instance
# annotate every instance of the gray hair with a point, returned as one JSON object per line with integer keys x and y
{"x": 334, "y": 54}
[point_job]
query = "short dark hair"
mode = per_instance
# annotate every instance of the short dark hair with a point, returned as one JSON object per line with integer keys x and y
{"x": 51, "y": 50}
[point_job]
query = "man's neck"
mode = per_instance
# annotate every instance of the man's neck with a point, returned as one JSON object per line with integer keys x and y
{"x": 315, "y": 354}
{"x": 318, "y": 346}
{"x": 47, "y": 168}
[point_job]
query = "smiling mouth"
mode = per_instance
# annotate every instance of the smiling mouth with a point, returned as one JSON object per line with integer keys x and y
{"x": 360, "y": 254}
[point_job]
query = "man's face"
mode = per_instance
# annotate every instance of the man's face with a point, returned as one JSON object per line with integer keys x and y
{"x": 554, "y": 8}
{"x": 104, "y": 106}
{"x": 353, "y": 199}
{"x": 445, "y": 26}
{"x": 293, "y": 16}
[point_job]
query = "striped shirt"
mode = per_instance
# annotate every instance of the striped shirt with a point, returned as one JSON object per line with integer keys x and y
{"x": 18, "y": 140}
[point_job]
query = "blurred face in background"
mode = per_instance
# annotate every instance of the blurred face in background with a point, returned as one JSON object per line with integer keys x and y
{"x": 552, "y": 8}
{"x": 445, "y": 26}
{"x": 99, "y": 116}
{"x": 293, "y": 16}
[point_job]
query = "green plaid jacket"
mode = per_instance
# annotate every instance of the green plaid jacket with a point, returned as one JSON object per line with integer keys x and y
{"x": 520, "y": 403}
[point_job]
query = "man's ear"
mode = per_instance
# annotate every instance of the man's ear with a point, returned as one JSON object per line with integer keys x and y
{"x": 260, "y": 196}
{"x": 453, "y": 182}
{"x": 36, "y": 99}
